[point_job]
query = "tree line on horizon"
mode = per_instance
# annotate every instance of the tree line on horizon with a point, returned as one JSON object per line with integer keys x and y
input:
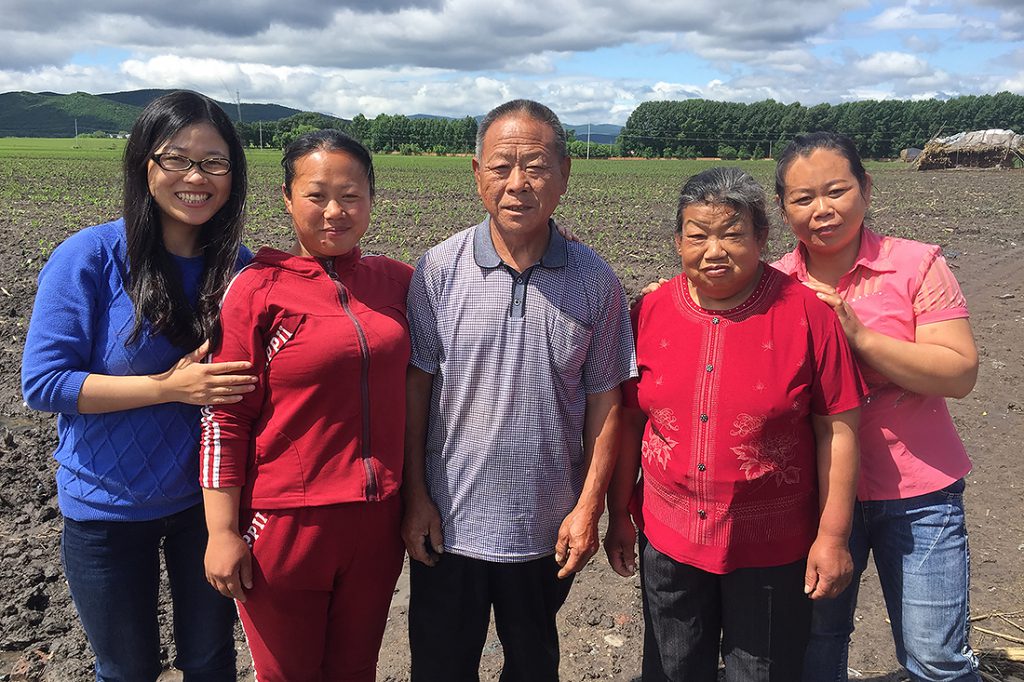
{"x": 691, "y": 128}
{"x": 881, "y": 128}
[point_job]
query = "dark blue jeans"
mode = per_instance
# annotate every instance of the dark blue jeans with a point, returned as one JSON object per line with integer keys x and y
{"x": 113, "y": 571}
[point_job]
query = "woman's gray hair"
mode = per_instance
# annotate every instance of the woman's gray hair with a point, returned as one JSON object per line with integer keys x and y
{"x": 530, "y": 109}
{"x": 729, "y": 186}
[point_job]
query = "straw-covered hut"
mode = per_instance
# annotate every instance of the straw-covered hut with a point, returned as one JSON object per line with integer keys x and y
{"x": 975, "y": 149}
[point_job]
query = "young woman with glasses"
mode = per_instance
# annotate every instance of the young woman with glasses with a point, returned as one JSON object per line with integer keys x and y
{"x": 121, "y": 322}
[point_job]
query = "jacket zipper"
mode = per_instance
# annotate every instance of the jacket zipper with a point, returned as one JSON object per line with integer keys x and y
{"x": 364, "y": 383}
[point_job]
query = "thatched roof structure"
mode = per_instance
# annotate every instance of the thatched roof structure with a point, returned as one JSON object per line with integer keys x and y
{"x": 975, "y": 149}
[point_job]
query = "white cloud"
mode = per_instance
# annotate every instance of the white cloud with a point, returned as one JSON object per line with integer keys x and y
{"x": 908, "y": 18}
{"x": 887, "y": 65}
{"x": 459, "y": 57}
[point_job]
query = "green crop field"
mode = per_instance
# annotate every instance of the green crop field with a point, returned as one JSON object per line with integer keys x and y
{"x": 623, "y": 208}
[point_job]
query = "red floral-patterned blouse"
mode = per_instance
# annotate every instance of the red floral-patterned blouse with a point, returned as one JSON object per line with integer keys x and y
{"x": 728, "y": 455}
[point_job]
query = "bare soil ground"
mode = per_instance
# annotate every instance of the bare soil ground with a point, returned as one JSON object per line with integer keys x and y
{"x": 976, "y": 216}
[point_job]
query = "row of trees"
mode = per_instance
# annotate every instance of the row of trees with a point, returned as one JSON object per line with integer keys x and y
{"x": 385, "y": 133}
{"x": 689, "y": 128}
{"x": 696, "y": 127}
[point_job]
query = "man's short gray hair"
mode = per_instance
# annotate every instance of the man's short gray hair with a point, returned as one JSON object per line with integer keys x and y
{"x": 524, "y": 107}
{"x": 727, "y": 186}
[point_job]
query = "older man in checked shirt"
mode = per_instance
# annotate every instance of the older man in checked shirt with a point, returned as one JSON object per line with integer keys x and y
{"x": 520, "y": 341}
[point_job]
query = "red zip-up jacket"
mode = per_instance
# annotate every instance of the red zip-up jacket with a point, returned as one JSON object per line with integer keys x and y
{"x": 326, "y": 421}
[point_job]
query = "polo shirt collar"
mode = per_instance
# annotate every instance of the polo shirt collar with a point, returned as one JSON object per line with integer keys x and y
{"x": 485, "y": 255}
{"x": 869, "y": 255}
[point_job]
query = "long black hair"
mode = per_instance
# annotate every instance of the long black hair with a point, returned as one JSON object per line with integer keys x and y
{"x": 154, "y": 282}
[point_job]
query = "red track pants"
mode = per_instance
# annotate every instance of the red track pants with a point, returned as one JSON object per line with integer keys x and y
{"x": 323, "y": 578}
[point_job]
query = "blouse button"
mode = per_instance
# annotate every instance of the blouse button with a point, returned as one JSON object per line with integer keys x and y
{"x": 701, "y": 513}
{"x": 701, "y": 467}
{"x": 709, "y": 367}
{"x": 704, "y": 418}
{"x": 714, "y": 320}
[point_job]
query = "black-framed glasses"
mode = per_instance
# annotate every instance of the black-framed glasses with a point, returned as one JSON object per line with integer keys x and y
{"x": 215, "y": 165}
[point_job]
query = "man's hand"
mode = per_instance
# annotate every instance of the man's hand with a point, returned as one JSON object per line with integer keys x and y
{"x": 577, "y": 540}
{"x": 421, "y": 529}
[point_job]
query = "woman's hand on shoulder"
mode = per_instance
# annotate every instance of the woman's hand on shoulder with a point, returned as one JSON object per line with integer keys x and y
{"x": 194, "y": 382}
{"x": 852, "y": 326}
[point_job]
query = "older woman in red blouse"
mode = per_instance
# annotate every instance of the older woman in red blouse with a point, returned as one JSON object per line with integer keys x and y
{"x": 743, "y": 421}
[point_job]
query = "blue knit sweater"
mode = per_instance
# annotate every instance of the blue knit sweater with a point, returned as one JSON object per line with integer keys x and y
{"x": 132, "y": 465}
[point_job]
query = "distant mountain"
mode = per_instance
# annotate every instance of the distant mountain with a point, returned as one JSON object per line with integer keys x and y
{"x": 250, "y": 112}
{"x": 600, "y": 133}
{"x": 48, "y": 114}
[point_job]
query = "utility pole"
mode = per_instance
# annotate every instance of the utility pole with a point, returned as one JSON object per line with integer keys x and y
{"x": 238, "y": 104}
{"x": 588, "y": 141}
{"x": 76, "y": 127}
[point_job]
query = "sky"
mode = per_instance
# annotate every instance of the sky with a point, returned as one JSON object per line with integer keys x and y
{"x": 592, "y": 62}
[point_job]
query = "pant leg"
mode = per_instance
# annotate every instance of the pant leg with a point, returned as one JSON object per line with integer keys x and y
{"x": 832, "y": 622}
{"x": 682, "y": 611}
{"x": 204, "y": 621}
{"x": 285, "y": 612}
{"x": 923, "y": 561}
{"x": 527, "y": 597}
{"x": 449, "y": 609}
{"x": 113, "y": 572}
{"x": 372, "y": 557}
{"x": 766, "y": 622}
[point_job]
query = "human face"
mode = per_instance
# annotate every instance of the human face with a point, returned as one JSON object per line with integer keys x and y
{"x": 721, "y": 256}
{"x": 329, "y": 203}
{"x": 824, "y": 203}
{"x": 519, "y": 175}
{"x": 188, "y": 199}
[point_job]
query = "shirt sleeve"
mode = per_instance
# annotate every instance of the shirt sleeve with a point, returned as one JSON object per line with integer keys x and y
{"x": 939, "y": 296}
{"x": 611, "y": 357}
{"x": 838, "y": 385}
{"x": 59, "y": 343}
{"x": 226, "y": 438}
{"x": 421, "y": 311}
{"x": 631, "y": 387}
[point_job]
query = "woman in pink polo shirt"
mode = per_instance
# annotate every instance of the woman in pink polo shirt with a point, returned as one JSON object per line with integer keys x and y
{"x": 744, "y": 421}
{"x": 906, "y": 319}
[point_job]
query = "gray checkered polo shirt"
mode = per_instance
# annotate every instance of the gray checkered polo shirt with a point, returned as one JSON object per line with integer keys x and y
{"x": 513, "y": 357}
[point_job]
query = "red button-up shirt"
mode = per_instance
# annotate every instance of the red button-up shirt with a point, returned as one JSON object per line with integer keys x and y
{"x": 729, "y": 454}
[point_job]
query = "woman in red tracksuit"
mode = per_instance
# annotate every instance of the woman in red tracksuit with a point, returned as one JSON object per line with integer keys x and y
{"x": 301, "y": 476}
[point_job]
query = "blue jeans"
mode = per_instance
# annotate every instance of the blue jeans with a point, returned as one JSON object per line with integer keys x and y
{"x": 920, "y": 550}
{"x": 113, "y": 572}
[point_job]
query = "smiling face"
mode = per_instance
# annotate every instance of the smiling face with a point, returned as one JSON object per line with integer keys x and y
{"x": 824, "y": 204}
{"x": 720, "y": 255}
{"x": 188, "y": 199}
{"x": 329, "y": 202}
{"x": 520, "y": 175}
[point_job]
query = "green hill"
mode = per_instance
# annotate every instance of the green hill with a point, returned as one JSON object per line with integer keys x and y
{"x": 250, "y": 112}
{"x": 48, "y": 114}
{"x": 28, "y": 114}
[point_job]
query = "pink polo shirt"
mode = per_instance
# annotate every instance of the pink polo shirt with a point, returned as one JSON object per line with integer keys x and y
{"x": 908, "y": 443}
